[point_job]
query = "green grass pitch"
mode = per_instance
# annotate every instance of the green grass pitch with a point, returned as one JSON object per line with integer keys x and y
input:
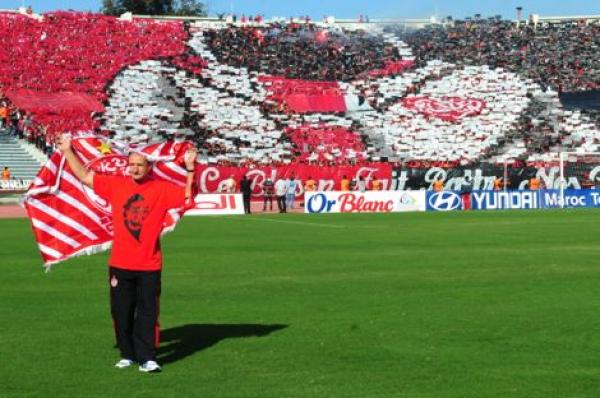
{"x": 478, "y": 304}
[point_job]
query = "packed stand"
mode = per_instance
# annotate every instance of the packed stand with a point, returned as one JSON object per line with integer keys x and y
{"x": 302, "y": 51}
{"x": 258, "y": 93}
{"x": 562, "y": 56}
{"x": 65, "y": 52}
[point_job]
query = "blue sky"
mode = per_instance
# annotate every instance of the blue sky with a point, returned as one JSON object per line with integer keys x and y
{"x": 353, "y": 8}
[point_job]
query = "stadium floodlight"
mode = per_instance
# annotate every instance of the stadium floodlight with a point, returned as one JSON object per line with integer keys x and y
{"x": 519, "y": 15}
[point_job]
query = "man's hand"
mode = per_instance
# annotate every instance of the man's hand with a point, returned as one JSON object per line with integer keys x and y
{"x": 190, "y": 164}
{"x": 190, "y": 158}
{"x": 63, "y": 142}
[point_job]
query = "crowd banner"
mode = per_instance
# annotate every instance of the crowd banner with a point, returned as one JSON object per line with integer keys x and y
{"x": 14, "y": 185}
{"x": 364, "y": 202}
{"x": 213, "y": 179}
{"x": 54, "y": 103}
{"x": 217, "y": 204}
{"x": 502, "y": 200}
{"x": 542, "y": 199}
{"x": 479, "y": 177}
{"x": 570, "y": 198}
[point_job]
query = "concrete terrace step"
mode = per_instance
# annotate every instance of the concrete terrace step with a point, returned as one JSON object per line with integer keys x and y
{"x": 16, "y": 158}
{"x": 13, "y": 166}
{"x": 23, "y": 170}
{"x": 21, "y": 163}
{"x": 17, "y": 172}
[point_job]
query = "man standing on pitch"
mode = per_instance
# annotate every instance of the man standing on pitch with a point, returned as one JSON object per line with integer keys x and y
{"x": 246, "y": 188}
{"x": 281, "y": 187}
{"x": 139, "y": 204}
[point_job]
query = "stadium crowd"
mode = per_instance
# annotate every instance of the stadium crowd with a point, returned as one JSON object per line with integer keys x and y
{"x": 74, "y": 53}
{"x": 272, "y": 93}
{"x": 302, "y": 51}
{"x": 561, "y": 56}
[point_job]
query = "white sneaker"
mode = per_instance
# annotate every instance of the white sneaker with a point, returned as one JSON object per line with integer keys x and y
{"x": 124, "y": 363}
{"x": 150, "y": 366}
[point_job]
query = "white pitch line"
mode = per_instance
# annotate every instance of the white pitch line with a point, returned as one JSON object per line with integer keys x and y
{"x": 316, "y": 224}
{"x": 262, "y": 218}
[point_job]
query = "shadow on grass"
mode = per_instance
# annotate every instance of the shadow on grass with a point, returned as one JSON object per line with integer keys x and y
{"x": 182, "y": 341}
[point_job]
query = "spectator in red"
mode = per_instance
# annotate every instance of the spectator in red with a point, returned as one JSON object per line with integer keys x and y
{"x": 139, "y": 203}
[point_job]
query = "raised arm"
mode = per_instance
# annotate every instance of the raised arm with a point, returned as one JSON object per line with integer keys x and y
{"x": 86, "y": 177}
{"x": 190, "y": 166}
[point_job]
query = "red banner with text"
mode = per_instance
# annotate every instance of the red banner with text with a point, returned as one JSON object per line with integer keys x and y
{"x": 212, "y": 179}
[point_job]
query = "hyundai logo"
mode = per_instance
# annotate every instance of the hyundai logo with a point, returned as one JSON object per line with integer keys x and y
{"x": 444, "y": 201}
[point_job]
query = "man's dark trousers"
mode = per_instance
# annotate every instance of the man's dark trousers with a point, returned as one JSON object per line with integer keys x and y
{"x": 134, "y": 299}
{"x": 281, "y": 204}
{"x": 246, "y": 199}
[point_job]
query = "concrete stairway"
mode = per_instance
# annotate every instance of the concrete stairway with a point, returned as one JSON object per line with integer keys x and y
{"x": 13, "y": 154}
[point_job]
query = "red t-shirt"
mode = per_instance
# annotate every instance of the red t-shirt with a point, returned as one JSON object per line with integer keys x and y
{"x": 138, "y": 211}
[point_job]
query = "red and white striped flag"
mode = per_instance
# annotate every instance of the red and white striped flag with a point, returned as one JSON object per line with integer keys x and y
{"x": 68, "y": 218}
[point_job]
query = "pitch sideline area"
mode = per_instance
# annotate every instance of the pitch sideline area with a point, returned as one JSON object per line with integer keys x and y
{"x": 16, "y": 211}
{"x": 12, "y": 211}
{"x": 478, "y": 304}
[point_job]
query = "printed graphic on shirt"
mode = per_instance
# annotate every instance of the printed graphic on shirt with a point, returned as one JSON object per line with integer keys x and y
{"x": 135, "y": 212}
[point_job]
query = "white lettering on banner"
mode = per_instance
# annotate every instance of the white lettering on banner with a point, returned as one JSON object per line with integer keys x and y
{"x": 480, "y": 182}
{"x": 211, "y": 179}
{"x": 548, "y": 179}
{"x": 217, "y": 204}
{"x": 110, "y": 164}
{"x": 223, "y": 202}
{"x": 210, "y": 174}
{"x": 434, "y": 174}
{"x": 594, "y": 174}
{"x": 505, "y": 200}
{"x": 554, "y": 199}
{"x": 454, "y": 184}
{"x": 366, "y": 173}
{"x": 575, "y": 201}
{"x": 385, "y": 184}
{"x": 15, "y": 185}
{"x": 477, "y": 198}
{"x": 595, "y": 198}
{"x": 257, "y": 178}
{"x": 552, "y": 178}
{"x": 400, "y": 181}
{"x": 524, "y": 184}
{"x": 473, "y": 179}
{"x": 364, "y": 202}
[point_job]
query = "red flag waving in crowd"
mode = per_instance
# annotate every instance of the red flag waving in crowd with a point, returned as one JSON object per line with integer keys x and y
{"x": 69, "y": 219}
